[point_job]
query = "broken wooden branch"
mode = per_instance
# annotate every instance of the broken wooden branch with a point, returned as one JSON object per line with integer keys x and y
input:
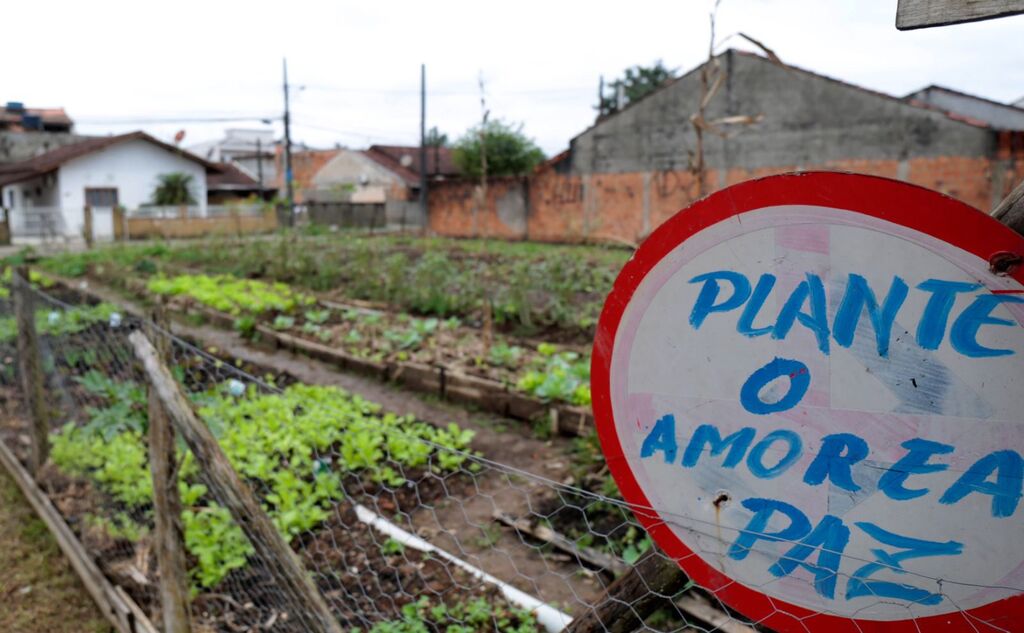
{"x": 775, "y": 59}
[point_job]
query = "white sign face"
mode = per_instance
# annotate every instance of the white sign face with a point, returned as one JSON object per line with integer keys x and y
{"x": 826, "y": 407}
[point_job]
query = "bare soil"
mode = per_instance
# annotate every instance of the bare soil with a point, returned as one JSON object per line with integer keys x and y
{"x": 39, "y": 590}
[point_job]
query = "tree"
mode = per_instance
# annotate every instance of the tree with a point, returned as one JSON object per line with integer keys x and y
{"x": 435, "y": 138}
{"x": 174, "y": 188}
{"x": 509, "y": 152}
{"x": 636, "y": 83}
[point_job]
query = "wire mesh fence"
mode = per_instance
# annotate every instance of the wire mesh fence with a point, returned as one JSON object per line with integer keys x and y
{"x": 401, "y": 525}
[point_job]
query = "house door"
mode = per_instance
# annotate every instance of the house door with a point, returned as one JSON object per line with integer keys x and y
{"x": 102, "y": 200}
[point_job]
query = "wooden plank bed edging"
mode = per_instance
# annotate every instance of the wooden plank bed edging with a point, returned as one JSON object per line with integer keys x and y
{"x": 116, "y": 605}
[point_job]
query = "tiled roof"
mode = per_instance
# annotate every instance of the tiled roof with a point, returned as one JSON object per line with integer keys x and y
{"x": 405, "y": 161}
{"x": 229, "y": 177}
{"x": 51, "y": 160}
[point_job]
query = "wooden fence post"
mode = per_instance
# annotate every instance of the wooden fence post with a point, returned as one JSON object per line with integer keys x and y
{"x": 5, "y": 227}
{"x": 236, "y": 220}
{"x": 87, "y": 232}
{"x": 30, "y": 367}
{"x": 170, "y": 538}
{"x": 118, "y": 218}
{"x": 231, "y": 492}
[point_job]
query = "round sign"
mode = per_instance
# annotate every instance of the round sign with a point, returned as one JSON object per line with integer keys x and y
{"x": 809, "y": 389}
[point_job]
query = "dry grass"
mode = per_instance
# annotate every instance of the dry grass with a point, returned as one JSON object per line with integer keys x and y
{"x": 39, "y": 590}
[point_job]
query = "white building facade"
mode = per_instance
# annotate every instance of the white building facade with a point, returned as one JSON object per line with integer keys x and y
{"x": 46, "y": 196}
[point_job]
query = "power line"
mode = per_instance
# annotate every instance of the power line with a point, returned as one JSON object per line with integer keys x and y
{"x": 174, "y": 119}
{"x": 362, "y": 135}
{"x": 439, "y": 93}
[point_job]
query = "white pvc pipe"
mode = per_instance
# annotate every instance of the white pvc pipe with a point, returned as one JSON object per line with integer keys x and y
{"x": 550, "y": 618}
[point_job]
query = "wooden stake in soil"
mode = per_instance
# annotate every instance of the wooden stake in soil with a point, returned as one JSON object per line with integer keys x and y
{"x": 170, "y": 539}
{"x": 230, "y": 491}
{"x": 30, "y": 367}
{"x": 632, "y": 597}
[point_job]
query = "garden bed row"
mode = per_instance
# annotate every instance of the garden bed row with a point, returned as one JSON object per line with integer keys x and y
{"x": 99, "y": 481}
{"x": 445, "y": 380}
{"x": 551, "y": 292}
{"x": 579, "y": 520}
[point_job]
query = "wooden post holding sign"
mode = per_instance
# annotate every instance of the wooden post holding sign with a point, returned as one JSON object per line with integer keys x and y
{"x": 231, "y": 492}
{"x": 811, "y": 387}
{"x": 920, "y": 14}
{"x": 30, "y": 368}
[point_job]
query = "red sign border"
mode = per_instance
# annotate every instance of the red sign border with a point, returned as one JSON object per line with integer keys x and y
{"x": 915, "y": 207}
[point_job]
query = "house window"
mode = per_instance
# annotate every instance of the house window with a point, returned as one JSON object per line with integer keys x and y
{"x": 10, "y": 198}
{"x": 102, "y": 198}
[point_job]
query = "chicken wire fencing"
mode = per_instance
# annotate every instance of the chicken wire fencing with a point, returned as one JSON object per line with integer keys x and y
{"x": 400, "y": 524}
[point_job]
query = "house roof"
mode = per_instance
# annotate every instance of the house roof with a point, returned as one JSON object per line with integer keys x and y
{"x": 51, "y": 160}
{"x": 405, "y": 161}
{"x": 994, "y": 114}
{"x": 231, "y": 178}
{"x": 305, "y": 165}
{"x": 733, "y": 51}
{"x": 48, "y": 116}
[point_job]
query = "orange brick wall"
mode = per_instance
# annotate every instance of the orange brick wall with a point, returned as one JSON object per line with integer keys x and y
{"x": 453, "y": 210}
{"x": 625, "y": 207}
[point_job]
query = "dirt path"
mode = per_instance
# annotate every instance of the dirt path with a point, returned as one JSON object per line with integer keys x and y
{"x": 39, "y": 591}
{"x": 462, "y": 525}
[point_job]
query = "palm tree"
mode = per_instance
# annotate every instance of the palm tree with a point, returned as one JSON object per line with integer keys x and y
{"x": 174, "y": 188}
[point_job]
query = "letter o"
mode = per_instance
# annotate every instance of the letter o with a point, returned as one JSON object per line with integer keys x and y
{"x": 755, "y": 459}
{"x": 799, "y": 381}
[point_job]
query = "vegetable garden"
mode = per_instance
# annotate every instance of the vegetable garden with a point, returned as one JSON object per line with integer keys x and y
{"x": 327, "y": 465}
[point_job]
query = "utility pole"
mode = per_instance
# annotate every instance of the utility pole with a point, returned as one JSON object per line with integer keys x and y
{"x": 290, "y": 194}
{"x": 423, "y": 142}
{"x": 259, "y": 166}
{"x": 600, "y": 96}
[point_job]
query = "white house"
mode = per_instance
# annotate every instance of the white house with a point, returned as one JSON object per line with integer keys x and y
{"x": 45, "y": 196}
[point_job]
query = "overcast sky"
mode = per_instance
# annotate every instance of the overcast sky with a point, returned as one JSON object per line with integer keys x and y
{"x": 354, "y": 67}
